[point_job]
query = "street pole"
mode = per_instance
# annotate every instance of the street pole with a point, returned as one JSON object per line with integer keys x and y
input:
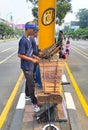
{"x": 46, "y": 20}
{"x": 7, "y": 17}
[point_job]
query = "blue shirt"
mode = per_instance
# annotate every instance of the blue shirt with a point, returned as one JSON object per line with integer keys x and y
{"x": 25, "y": 48}
{"x": 35, "y": 48}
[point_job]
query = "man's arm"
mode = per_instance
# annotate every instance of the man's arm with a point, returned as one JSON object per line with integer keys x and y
{"x": 27, "y": 58}
{"x": 36, "y": 57}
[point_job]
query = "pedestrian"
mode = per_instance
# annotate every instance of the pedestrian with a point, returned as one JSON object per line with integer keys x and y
{"x": 68, "y": 47}
{"x": 25, "y": 53}
{"x": 36, "y": 52}
{"x": 60, "y": 43}
{"x": 60, "y": 38}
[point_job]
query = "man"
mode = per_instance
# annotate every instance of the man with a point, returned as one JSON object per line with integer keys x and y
{"x": 33, "y": 41}
{"x": 36, "y": 52}
{"x": 60, "y": 43}
{"x": 25, "y": 53}
{"x": 60, "y": 38}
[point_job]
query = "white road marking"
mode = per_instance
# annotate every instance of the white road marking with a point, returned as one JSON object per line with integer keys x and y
{"x": 6, "y": 50}
{"x": 64, "y": 78}
{"x": 80, "y": 53}
{"x": 83, "y": 47}
{"x": 21, "y": 102}
{"x": 69, "y": 100}
{"x": 68, "y": 97}
{"x": 8, "y": 57}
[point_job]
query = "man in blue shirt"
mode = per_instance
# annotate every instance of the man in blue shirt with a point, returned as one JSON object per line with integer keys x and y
{"x": 36, "y": 52}
{"x": 25, "y": 53}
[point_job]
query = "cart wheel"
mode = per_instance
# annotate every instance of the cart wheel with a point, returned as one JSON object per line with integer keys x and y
{"x": 50, "y": 127}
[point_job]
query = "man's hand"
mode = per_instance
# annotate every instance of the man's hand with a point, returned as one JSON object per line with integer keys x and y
{"x": 35, "y": 61}
{"x": 36, "y": 57}
{"x": 41, "y": 53}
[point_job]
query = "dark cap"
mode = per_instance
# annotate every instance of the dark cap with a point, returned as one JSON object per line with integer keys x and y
{"x": 61, "y": 31}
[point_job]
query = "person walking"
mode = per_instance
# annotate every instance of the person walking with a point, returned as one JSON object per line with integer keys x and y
{"x": 25, "y": 53}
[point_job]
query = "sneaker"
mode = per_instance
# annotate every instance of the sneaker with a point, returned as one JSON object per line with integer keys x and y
{"x": 27, "y": 98}
{"x": 36, "y": 108}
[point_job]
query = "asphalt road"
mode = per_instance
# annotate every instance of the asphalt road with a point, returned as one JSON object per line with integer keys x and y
{"x": 9, "y": 71}
{"x": 78, "y": 64}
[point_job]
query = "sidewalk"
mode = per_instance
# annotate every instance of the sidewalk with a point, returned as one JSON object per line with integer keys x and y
{"x": 24, "y": 115}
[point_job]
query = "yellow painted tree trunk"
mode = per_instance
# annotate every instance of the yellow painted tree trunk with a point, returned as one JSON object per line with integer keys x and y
{"x": 46, "y": 19}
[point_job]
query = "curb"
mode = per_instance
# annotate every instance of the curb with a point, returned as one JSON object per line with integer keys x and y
{"x": 18, "y": 116}
{"x": 71, "y": 109}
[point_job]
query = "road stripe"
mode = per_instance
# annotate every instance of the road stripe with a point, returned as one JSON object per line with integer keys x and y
{"x": 71, "y": 109}
{"x": 64, "y": 78}
{"x": 82, "y": 52}
{"x": 6, "y": 50}
{"x": 10, "y": 101}
{"x": 1, "y": 62}
{"x": 68, "y": 96}
{"x": 78, "y": 92}
{"x": 69, "y": 101}
{"x": 21, "y": 102}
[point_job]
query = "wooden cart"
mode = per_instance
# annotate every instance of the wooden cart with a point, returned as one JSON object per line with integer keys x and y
{"x": 51, "y": 73}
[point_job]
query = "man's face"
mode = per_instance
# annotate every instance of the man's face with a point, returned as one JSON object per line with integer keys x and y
{"x": 35, "y": 34}
{"x": 30, "y": 31}
{"x": 59, "y": 33}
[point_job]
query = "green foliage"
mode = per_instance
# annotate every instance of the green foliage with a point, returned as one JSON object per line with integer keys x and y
{"x": 63, "y": 7}
{"x": 35, "y": 12}
{"x": 34, "y": 2}
{"x": 82, "y": 15}
{"x": 7, "y": 31}
{"x": 66, "y": 28}
{"x": 18, "y": 32}
{"x": 2, "y": 29}
{"x": 79, "y": 33}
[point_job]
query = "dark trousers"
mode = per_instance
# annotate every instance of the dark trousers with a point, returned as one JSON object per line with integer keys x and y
{"x": 30, "y": 86}
{"x": 67, "y": 51}
{"x": 38, "y": 77}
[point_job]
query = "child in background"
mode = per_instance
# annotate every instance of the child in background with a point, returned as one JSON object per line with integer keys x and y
{"x": 63, "y": 53}
{"x": 68, "y": 47}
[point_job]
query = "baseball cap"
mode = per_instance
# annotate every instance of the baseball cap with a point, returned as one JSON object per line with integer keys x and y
{"x": 30, "y": 25}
